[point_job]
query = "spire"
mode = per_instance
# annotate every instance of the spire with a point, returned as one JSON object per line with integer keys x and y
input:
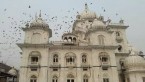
{"x": 40, "y": 14}
{"x": 86, "y": 7}
{"x": 36, "y": 16}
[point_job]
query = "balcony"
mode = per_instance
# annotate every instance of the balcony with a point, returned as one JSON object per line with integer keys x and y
{"x": 70, "y": 64}
{"x": 55, "y": 65}
{"x": 85, "y": 65}
{"x": 34, "y": 64}
{"x": 105, "y": 65}
{"x": 119, "y": 38}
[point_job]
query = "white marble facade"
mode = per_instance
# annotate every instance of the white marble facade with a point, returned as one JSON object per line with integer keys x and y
{"x": 96, "y": 50}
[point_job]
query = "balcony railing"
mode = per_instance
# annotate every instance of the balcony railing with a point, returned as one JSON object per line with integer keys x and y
{"x": 34, "y": 64}
{"x": 105, "y": 64}
{"x": 55, "y": 65}
{"x": 119, "y": 38}
{"x": 71, "y": 64}
{"x": 85, "y": 65}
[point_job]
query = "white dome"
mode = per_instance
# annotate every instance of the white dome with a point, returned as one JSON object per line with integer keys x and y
{"x": 12, "y": 71}
{"x": 86, "y": 14}
{"x": 134, "y": 61}
{"x": 98, "y": 24}
{"x": 39, "y": 23}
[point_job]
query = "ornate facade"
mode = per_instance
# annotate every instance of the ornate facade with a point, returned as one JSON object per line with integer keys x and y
{"x": 95, "y": 51}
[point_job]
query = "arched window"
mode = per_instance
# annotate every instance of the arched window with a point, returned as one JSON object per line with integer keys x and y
{"x": 70, "y": 58}
{"x": 74, "y": 39}
{"x": 84, "y": 58}
{"x": 104, "y": 57}
{"x": 117, "y": 33}
{"x": 55, "y": 79}
{"x": 70, "y": 78}
{"x": 55, "y": 58}
{"x": 101, "y": 39}
{"x": 70, "y": 39}
{"x": 34, "y": 57}
{"x": 33, "y": 78}
{"x": 65, "y": 39}
{"x": 36, "y": 38}
{"x": 85, "y": 78}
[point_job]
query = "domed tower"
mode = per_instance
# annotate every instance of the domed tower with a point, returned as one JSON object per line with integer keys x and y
{"x": 37, "y": 32}
{"x": 135, "y": 68}
{"x": 83, "y": 22}
{"x": 35, "y": 51}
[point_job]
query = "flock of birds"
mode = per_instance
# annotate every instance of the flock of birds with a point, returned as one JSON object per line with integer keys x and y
{"x": 13, "y": 33}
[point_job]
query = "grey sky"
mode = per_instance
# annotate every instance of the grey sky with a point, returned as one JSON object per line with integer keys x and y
{"x": 12, "y": 12}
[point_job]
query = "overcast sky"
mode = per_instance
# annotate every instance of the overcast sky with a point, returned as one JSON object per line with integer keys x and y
{"x": 15, "y": 13}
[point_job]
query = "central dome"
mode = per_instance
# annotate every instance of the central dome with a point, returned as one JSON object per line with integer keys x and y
{"x": 87, "y": 14}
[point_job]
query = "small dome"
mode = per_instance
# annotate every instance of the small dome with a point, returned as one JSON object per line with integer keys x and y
{"x": 39, "y": 23}
{"x": 13, "y": 71}
{"x": 98, "y": 24}
{"x": 86, "y": 14}
{"x": 134, "y": 61}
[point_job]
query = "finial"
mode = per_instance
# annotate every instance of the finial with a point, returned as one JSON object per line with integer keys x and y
{"x": 121, "y": 21}
{"x": 36, "y": 16}
{"x": 86, "y": 6}
{"x": 40, "y": 14}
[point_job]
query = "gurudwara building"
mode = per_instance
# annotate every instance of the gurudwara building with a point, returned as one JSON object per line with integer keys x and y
{"x": 95, "y": 51}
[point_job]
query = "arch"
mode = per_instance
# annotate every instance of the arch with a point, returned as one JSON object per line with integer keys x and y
{"x": 70, "y": 76}
{"x": 70, "y": 39}
{"x": 36, "y": 38}
{"x": 34, "y": 57}
{"x": 70, "y": 54}
{"x": 84, "y": 58}
{"x": 104, "y": 57}
{"x": 33, "y": 78}
{"x": 117, "y": 33}
{"x": 55, "y": 58}
{"x": 85, "y": 78}
{"x": 35, "y": 53}
{"x": 54, "y": 78}
{"x": 70, "y": 57}
{"x": 101, "y": 39}
{"x": 74, "y": 39}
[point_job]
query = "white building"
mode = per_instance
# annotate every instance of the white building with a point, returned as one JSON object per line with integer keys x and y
{"x": 95, "y": 51}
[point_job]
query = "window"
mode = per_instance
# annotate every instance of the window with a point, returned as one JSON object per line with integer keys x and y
{"x": 70, "y": 78}
{"x": 117, "y": 33}
{"x": 85, "y": 78}
{"x": 105, "y": 79}
{"x": 33, "y": 78}
{"x": 33, "y": 69}
{"x": 55, "y": 79}
{"x": 55, "y": 58}
{"x": 101, "y": 39}
{"x": 84, "y": 58}
{"x": 85, "y": 69}
{"x": 74, "y": 39}
{"x": 70, "y": 58}
{"x": 120, "y": 48}
{"x": 104, "y": 59}
{"x": 34, "y": 60}
{"x": 55, "y": 69}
